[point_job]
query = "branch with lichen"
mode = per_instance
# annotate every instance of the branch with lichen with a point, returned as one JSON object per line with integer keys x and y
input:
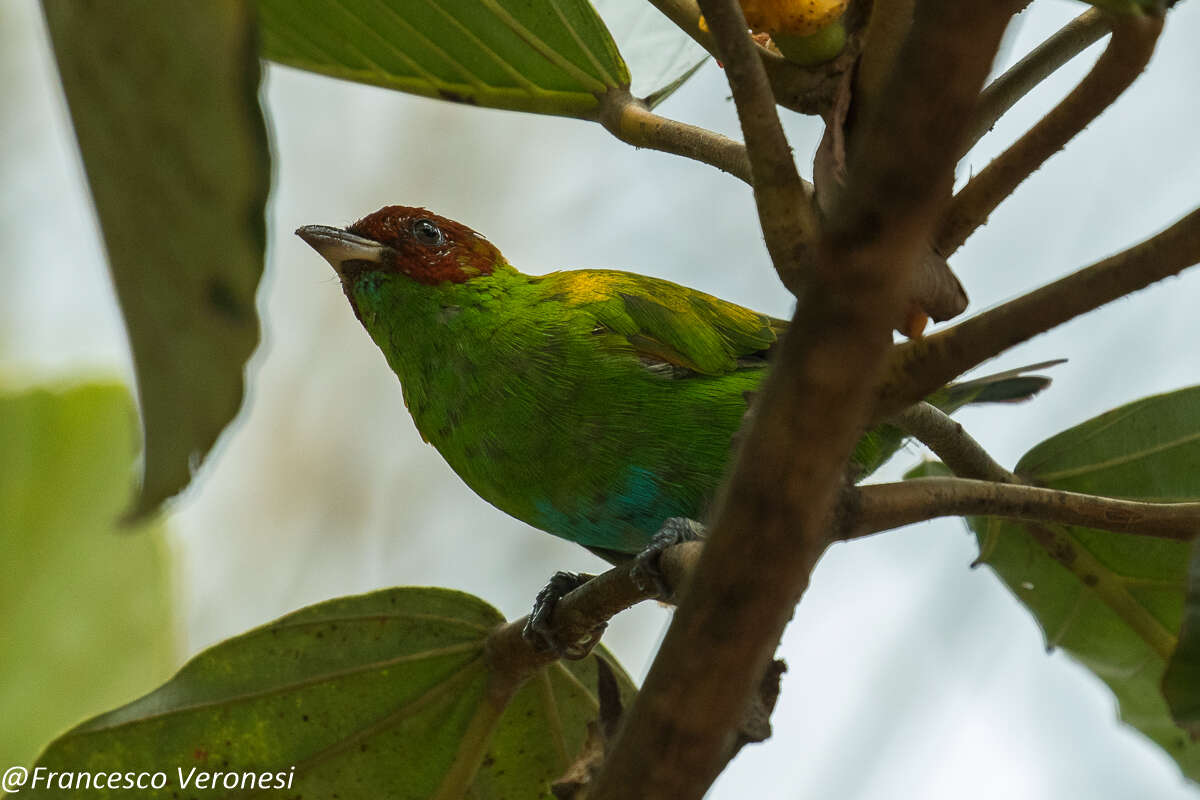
{"x": 885, "y": 506}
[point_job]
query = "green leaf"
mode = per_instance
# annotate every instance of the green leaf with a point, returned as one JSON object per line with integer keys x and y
{"x": 928, "y": 468}
{"x": 1113, "y": 601}
{"x": 388, "y": 694}
{"x": 76, "y": 593}
{"x": 1181, "y": 683}
{"x": 548, "y": 57}
{"x": 163, "y": 97}
{"x": 876, "y": 448}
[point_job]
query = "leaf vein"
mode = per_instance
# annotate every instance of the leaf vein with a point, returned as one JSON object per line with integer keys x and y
{"x": 1124, "y": 458}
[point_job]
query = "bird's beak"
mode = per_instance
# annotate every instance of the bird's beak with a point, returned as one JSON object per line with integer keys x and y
{"x": 340, "y": 248}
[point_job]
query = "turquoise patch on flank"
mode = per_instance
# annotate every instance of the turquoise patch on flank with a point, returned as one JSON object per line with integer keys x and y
{"x": 622, "y": 520}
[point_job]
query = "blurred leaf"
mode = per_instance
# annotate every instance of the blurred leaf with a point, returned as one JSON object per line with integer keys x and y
{"x": 1113, "y": 601}
{"x": 928, "y": 468}
{"x": 1181, "y": 683}
{"x": 876, "y": 448}
{"x": 86, "y": 620}
{"x": 164, "y": 101}
{"x": 552, "y": 57}
{"x": 387, "y": 694}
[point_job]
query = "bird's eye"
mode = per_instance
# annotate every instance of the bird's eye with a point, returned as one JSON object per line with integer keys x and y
{"x": 426, "y": 231}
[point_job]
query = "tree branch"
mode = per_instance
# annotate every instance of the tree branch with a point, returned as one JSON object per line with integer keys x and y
{"x": 771, "y": 518}
{"x": 1041, "y": 62}
{"x": 886, "y": 29}
{"x": 1122, "y": 62}
{"x": 631, "y": 121}
{"x": 889, "y": 505}
{"x": 784, "y": 199}
{"x": 580, "y": 612}
{"x": 918, "y": 367}
{"x": 951, "y": 443}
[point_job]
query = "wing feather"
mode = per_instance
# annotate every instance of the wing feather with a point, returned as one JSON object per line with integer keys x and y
{"x": 671, "y": 324}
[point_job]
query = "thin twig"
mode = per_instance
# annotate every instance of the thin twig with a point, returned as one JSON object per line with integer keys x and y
{"x": 771, "y": 519}
{"x": 885, "y": 506}
{"x": 631, "y": 121}
{"x": 951, "y": 443}
{"x": 1122, "y": 62}
{"x": 1041, "y": 62}
{"x": 918, "y": 367}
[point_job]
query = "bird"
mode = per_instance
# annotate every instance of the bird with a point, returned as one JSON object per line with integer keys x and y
{"x": 592, "y": 404}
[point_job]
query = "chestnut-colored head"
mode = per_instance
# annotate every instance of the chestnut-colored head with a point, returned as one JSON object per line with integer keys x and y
{"x": 412, "y": 241}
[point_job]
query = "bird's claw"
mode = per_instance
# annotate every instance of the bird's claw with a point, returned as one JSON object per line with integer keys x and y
{"x": 540, "y": 630}
{"x": 647, "y": 571}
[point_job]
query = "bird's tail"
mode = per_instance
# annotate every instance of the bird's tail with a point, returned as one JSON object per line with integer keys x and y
{"x": 1010, "y": 386}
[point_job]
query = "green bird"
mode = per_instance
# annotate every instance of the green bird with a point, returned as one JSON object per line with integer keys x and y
{"x": 591, "y": 404}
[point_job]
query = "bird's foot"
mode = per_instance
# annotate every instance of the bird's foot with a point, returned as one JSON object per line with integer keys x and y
{"x": 647, "y": 571}
{"x": 540, "y": 630}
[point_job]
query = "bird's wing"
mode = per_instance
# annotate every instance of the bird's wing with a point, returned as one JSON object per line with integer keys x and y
{"x": 1010, "y": 386}
{"x": 671, "y": 324}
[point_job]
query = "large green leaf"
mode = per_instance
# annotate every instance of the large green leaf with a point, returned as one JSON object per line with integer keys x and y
{"x": 1181, "y": 683}
{"x": 163, "y": 97}
{"x": 552, "y": 57}
{"x": 86, "y": 620}
{"x": 1113, "y": 601}
{"x": 389, "y": 694}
